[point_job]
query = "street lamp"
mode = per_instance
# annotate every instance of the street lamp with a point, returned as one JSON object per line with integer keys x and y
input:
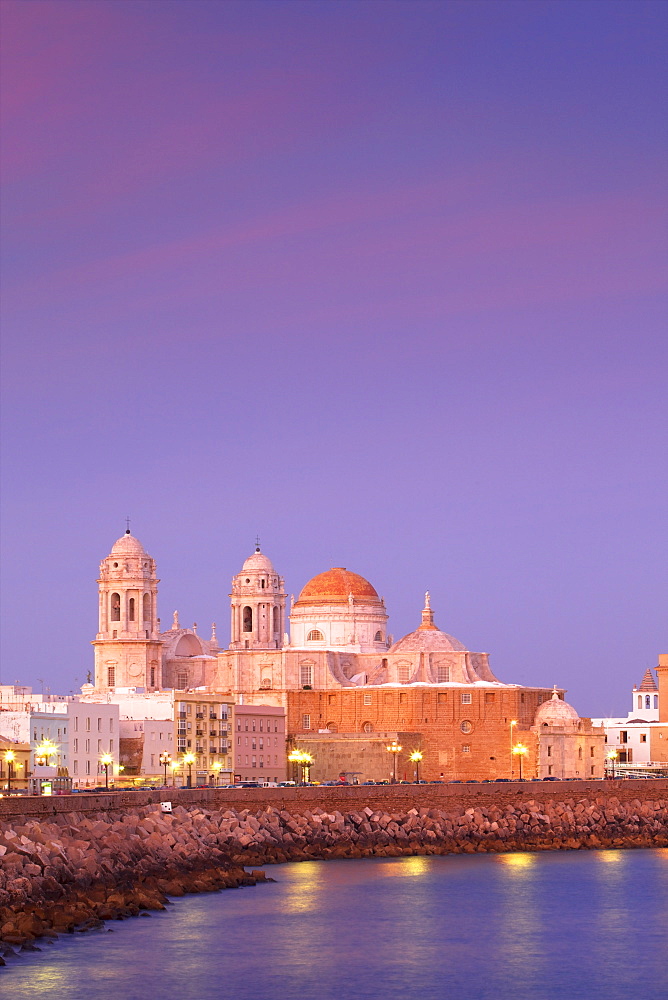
{"x": 416, "y": 757}
{"x": 519, "y": 750}
{"x": 165, "y": 760}
{"x": 612, "y": 757}
{"x": 45, "y": 750}
{"x": 304, "y": 761}
{"x": 10, "y": 757}
{"x": 216, "y": 768}
{"x": 106, "y": 759}
{"x": 513, "y": 722}
{"x": 394, "y": 748}
{"x": 189, "y": 759}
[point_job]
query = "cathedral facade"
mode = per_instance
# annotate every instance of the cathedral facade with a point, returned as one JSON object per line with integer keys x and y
{"x": 328, "y": 660}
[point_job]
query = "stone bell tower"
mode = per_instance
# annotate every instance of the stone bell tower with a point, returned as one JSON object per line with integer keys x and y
{"x": 128, "y": 644}
{"x": 257, "y": 605}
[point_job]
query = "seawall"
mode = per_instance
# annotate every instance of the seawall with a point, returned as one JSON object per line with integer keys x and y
{"x": 69, "y": 862}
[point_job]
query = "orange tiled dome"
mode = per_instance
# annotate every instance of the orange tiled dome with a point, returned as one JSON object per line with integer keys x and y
{"x": 334, "y": 586}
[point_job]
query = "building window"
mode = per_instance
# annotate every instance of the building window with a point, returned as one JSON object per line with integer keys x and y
{"x": 656, "y": 701}
{"x": 76, "y": 766}
{"x": 87, "y": 723}
{"x": 315, "y": 635}
{"x": 579, "y": 753}
{"x": 306, "y": 721}
{"x": 466, "y": 726}
{"x": 87, "y": 767}
{"x": 254, "y": 762}
{"x": 367, "y": 727}
{"x": 489, "y": 697}
{"x": 646, "y": 701}
{"x": 111, "y": 677}
{"x": 623, "y": 736}
{"x": 131, "y": 609}
{"x": 643, "y": 737}
{"x": 442, "y": 698}
{"x": 466, "y": 748}
{"x": 466, "y": 697}
{"x": 115, "y": 607}
{"x": 378, "y": 637}
{"x": 182, "y": 681}
{"x": 99, "y": 725}
{"x": 367, "y": 699}
{"x": 332, "y": 726}
{"x": 248, "y": 619}
{"x": 443, "y": 674}
{"x": 152, "y": 677}
{"x": 591, "y": 751}
{"x": 549, "y": 751}
{"x": 639, "y": 701}
{"x": 306, "y": 674}
{"x": 549, "y": 769}
{"x": 403, "y": 673}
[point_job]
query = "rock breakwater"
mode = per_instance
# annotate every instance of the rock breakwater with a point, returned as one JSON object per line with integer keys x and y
{"x": 71, "y": 870}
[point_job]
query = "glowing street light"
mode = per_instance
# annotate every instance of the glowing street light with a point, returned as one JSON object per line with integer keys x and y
{"x": 519, "y": 750}
{"x": 513, "y": 723}
{"x": 106, "y": 759}
{"x": 612, "y": 757}
{"x": 394, "y": 748}
{"x": 165, "y": 760}
{"x": 189, "y": 759}
{"x": 10, "y": 757}
{"x": 44, "y": 751}
{"x": 416, "y": 757}
{"x": 304, "y": 760}
{"x": 216, "y": 768}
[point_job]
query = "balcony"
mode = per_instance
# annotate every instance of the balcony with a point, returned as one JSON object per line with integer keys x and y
{"x": 199, "y": 715}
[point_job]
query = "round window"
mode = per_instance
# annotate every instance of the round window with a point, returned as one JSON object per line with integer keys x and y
{"x": 115, "y": 565}
{"x": 466, "y": 726}
{"x": 247, "y": 581}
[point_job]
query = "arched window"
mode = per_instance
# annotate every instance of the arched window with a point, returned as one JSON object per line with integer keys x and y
{"x": 639, "y": 701}
{"x": 367, "y": 727}
{"x": 265, "y": 682}
{"x": 656, "y": 701}
{"x": 147, "y": 607}
{"x": 332, "y": 726}
{"x": 115, "y": 607}
{"x": 647, "y": 705}
{"x": 277, "y": 620}
{"x": 248, "y": 619}
{"x": 378, "y": 637}
{"x": 131, "y": 609}
{"x": 315, "y": 635}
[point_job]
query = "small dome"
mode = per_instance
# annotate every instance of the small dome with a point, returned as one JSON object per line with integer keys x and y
{"x": 258, "y": 563}
{"x": 555, "y": 712}
{"x": 127, "y": 545}
{"x": 428, "y": 640}
{"x": 334, "y": 587}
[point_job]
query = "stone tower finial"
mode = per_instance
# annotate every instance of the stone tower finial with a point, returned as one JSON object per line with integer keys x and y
{"x": 214, "y": 637}
{"x": 427, "y": 613}
{"x": 175, "y": 620}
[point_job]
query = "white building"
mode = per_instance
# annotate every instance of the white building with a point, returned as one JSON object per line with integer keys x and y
{"x": 631, "y": 737}
{"x": 82, "y": 732}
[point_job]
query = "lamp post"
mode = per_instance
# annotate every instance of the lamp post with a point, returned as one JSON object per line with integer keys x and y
{"x": 513, "y": 723}
{"x": 394, "y": 748}
{"x": 416, "y": 757}
{"x": 165, "y": 760}
{"x": 304, "y": 761}
{"x": 518, "y": 751}
{"x": 216, "y": 768}
{"x": 612, "y": 757}
{"x": 189, "y": 759}
{"x": 10, "y": 756}
{"x": 106, "y": 759}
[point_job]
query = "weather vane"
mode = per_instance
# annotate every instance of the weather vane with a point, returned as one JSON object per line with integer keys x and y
{"x": 257, "y": 543}
{"x": 127, "y": 525}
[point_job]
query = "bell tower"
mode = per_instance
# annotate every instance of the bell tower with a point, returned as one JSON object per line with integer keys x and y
{"x": 257, "y": 605}
{"x": 128, "y": 644}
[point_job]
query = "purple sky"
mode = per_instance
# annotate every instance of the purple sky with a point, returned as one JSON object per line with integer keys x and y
{"x": 384, "y": 282}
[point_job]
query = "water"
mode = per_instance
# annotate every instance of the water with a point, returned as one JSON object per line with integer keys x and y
{"x": 548, "y": 926}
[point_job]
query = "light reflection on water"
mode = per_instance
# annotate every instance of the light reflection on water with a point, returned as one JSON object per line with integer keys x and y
{"x": 545, "y": 926}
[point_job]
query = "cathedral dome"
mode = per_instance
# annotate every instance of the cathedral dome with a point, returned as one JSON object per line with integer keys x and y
{"x": 428, "y": 640}
{"x": 127, "y": 545}
{"x": 258, "y": 563}
{"x": 335, "y": 586}
{"x": 555, "y": 712}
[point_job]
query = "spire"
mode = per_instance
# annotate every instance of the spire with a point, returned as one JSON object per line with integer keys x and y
{"x": 257, "y": 543}
{"x": 427, "y": 613}
{"x": 214, "y": 637}
{"x": 175, "y": 621}
{"x": 648, "y": 683}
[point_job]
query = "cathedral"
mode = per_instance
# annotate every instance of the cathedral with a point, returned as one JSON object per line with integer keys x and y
{"x": 328, "y": 660}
